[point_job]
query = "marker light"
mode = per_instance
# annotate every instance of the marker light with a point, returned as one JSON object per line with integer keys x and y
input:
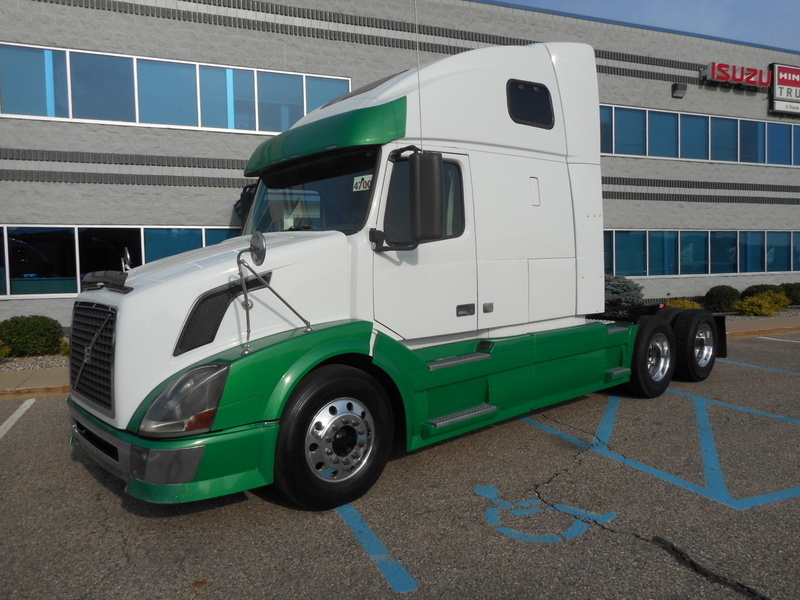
{"x": 188, "y": 405}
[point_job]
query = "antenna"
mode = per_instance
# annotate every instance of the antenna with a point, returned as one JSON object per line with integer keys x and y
{"x": 419, "y": 83}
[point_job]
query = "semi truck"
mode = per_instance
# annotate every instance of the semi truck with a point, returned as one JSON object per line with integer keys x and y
{"x": 421, "y": 258}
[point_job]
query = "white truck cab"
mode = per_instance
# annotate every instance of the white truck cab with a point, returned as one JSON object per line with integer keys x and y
{"x": 418, "y": 260}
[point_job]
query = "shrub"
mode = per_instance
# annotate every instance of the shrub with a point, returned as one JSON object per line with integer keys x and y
{"x": 31, "y": 336}
{"x": 764, "y": 304}
{"x": 4, "y": 350}
{"x": 683, "y": 303}
{"x": 779, "y": 299}
{"x": 792, "y": 291}
{"x": 759, "y": 289}
{"x": 720, "y": 298}
{"x": 622, "y": 294}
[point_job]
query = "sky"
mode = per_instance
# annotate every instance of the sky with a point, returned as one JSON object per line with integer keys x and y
{"x": 772, "y": 23}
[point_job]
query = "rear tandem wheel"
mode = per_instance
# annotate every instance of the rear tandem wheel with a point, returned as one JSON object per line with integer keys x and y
{"x": 653, "y": 362}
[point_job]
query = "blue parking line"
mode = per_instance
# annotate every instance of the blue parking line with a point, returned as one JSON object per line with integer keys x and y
{"x": 738, "y": 364}
{"x": 715, "y": 487}
{"x": 398, "y": 578}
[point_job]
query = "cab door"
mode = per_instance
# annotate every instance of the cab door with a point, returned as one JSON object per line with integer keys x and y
{"x": 431, "y": 290}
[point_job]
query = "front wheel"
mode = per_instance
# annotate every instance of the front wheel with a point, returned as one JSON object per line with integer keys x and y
{"x": 653, "y": 360}
{"x": 335, "y": 438}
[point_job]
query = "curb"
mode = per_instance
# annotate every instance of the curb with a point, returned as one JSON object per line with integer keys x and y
{"x": 759, "y": 332}
{"x": 34, "y": 392}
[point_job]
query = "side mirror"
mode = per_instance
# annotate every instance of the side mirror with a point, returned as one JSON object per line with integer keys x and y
{"x": 426, "y": 185}
{"x": 258, "y": 248}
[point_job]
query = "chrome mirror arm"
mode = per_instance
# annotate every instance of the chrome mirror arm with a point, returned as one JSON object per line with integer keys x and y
{"x": 248, "y": 304}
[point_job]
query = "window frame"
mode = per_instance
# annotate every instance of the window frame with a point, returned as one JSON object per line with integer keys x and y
{"x": 132, "y": 116}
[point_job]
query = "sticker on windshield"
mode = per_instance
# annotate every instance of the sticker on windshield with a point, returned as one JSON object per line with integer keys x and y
{"x": 362, "y": 183}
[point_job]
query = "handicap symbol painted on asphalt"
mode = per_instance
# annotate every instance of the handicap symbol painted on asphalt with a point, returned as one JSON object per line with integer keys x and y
{"x": 581, "y": 519}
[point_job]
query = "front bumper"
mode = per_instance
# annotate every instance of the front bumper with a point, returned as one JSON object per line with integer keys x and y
{"x": 179, "y": 469}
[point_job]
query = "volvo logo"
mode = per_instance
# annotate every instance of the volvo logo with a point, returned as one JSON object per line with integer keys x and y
{"x": 87, "y": 355}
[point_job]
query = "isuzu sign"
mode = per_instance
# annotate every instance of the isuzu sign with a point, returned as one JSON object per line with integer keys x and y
{"x": 736, "y": 75}
{"x": 786, "y": 90}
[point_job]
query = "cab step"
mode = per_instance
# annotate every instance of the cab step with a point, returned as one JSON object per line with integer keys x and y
{"x": 462, "y": 415}
{"x": 616, "y": 374}
{"x": 451, "y": 361}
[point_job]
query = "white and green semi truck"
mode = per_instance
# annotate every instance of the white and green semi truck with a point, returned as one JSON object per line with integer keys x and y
{"x": 421, "y": 258}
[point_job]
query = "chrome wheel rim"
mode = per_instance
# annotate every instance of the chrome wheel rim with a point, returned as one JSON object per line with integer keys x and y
{"x": 339, "y": 439}
{"x": 703, "y": 345}
{"x": 658, "y": 357}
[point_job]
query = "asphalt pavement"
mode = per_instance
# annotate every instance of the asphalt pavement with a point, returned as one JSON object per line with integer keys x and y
{"x": 692, "y": 495}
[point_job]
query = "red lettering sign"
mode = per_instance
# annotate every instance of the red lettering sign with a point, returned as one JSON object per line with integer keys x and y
{"x": 737, "y": 75}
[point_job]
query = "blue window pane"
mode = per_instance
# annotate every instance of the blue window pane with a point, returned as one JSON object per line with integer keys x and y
{"x": 227, "y": 98}
{"x": 167, "y": 93}
{"x": 779, "y": 144}
{"x": 3, "y": 290}
{"x": 215, "y": 236}
{"x": 631, "y": 253}
{"x": 606, "y": 129}
{"x": 751, "y": 251}
{"x": 694, "y": 252}
{"x": 629, "y": 131}
{"x": 724, "y": 139}
{"x": 159, "y": 243}
{"x": 796, "y": 251}
{"x": 244, "y": 99}
{"x": 694, "y": 137}
{"x": 41, "y": 260}
{"x": 662, "y": 134}
{"x": 752, "y": 141}
{"x": 608, "y": 251}
{"x": 102, "y": 87}
{"x": 796, "y": 145}
{"x": 321, "y": 90}
{"x": 779, "y": 248}
{"x": 663, "y": 252}
{"x": 33, "y": 82}
{"x": 214, "y": 99}
{"x": 280, "y": 101}
{"x": 723, "y": 252}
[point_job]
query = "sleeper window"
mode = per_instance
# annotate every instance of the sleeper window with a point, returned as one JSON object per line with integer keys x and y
{"x": 530, "y": 104}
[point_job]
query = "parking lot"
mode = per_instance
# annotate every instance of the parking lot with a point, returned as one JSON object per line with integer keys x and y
{"x": 695, "y": 494}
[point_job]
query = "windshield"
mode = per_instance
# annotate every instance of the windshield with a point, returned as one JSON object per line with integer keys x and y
{"x": 326, "y": 192}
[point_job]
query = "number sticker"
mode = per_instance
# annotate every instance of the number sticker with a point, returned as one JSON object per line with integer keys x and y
{"x": 362, "y": 183}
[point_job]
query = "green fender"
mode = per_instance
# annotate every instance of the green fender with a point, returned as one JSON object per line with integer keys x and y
{"x": 260, "y": 383}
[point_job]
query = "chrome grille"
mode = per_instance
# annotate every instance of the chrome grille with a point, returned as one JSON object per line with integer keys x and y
{"x": 91, "y": 361}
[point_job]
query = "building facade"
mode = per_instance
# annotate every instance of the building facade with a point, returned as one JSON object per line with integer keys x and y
{"x": 127, "y": 125}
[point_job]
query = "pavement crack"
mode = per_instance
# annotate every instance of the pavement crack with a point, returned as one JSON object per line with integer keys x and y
{"x": 687, "y": 561}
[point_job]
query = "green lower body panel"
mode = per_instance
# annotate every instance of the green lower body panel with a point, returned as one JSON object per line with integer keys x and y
{"x": 180, "y": 469}
{"x": 470, "y": 384}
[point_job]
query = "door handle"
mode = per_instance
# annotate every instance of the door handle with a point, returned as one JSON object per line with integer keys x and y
{"x": 465, "y": 310}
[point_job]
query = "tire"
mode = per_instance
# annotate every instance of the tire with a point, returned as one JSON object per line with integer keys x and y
{"x": 669, "y": 314}
{"x": 653, "y": 362}
{"x": 335, "y": 438}
{"x": 696, "y": 339}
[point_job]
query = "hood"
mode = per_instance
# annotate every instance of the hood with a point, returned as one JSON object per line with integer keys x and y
{"x": 184, "y": 309}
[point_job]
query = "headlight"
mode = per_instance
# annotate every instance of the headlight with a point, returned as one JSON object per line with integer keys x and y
{"x": 188, "y": 405}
